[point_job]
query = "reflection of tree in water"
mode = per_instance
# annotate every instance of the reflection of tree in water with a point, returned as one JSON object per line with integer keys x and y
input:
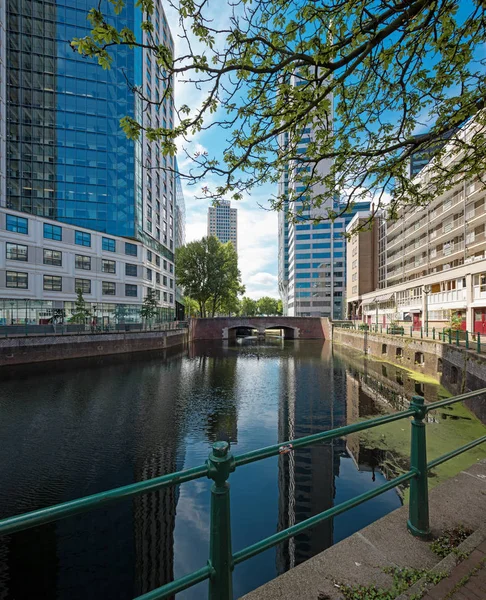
{"x": 306, "y": 477}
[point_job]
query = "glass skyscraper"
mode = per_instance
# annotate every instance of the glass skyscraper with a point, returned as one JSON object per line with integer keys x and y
{"x": 311, "y": 256}
{"x": 66, "y": 156}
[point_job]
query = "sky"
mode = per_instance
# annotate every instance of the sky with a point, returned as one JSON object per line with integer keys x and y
{"x": 257, "y": 225}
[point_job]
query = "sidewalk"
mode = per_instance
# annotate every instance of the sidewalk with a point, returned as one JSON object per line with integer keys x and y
{"x": 467, "y": 580}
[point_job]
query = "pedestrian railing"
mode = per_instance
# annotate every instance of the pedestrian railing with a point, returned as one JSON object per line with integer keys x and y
{"x": 221, "y": 463}
{"x": 456, "y": 337}
{"x": 16, "y": 331}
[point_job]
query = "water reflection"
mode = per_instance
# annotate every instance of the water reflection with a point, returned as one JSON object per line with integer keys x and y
{"x": 78, "y": 428}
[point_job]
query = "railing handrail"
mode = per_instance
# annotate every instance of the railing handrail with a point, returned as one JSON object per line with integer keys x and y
{"x": 221, "y": 463}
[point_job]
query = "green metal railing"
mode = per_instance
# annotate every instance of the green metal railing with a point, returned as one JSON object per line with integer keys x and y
{"x": 221, "y": 463}
{"x": 455, "y": 337}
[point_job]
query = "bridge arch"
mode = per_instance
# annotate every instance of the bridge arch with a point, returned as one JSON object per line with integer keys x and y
{"x": 289, "y": 332}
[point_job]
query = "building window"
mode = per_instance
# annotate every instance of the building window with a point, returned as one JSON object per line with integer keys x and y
{"x": 130, "y": 290}
{"x": 17, "y": 252}
{"x": 165, "y": 296}
{"x": 149, "y": 255}
{"x": 82, "y": 284}
{"x": 157, "y": 260}
{"x": 52, "y": 232}
{"x": 157, "y": 277}
{"x": 108, "y": 266}
{"x": 108, "y": 245}
{"x": 17, "y": 280}
{"x": 108, "y": 288}
{"x": 53, "y": 283}
{"x": 83, "y": 262}
{"x": 149, "y": 274}
{"x": 171, "y": 283}
{"x": 17, "y": 224}
{"x": 52, "y": 257}
{"x": 82, "y": 239}
{"x": 171, "y": 267}
{"x": 165, "y": 280}
{"x": 171, "y": 298}
{"x": 130, "y": 249}
{"x": 131, "y": 270}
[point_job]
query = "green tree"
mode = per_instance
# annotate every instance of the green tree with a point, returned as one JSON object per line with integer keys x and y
{"x": 267, "y": 306}
{"x": 248, "y": 307}
{"x": 365, "y": 78}
{"x": 279, "y": 307}
{"x": 191, "y": 306}
{"x": 208, "y": 272}
{"x": 82, "y": 311}
{"x": 149, "y": 306}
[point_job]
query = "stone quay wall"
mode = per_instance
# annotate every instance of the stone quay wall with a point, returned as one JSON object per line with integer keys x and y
{"x": 23, "y": 350}
{"x": 457, "y": 369}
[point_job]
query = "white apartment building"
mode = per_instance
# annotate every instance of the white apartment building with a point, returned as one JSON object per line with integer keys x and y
{"x": 223, "y": 222}
{"x": 435, "y": 259}
{"x": 44, "y": 262}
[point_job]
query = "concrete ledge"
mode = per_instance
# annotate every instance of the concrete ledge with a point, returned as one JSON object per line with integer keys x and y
{"x": 360, "y": 559}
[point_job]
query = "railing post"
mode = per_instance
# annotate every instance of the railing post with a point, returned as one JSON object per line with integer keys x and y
{"x": 220, "y": 464}
{"x": 450, "y": 335}
{"x": 479, "y": 342}
{"x": 418, "y": 516}
{"x": 421, "y": 332}
{"x": 457, "y": 337}
{"x": 467, "y": 339}
{"x": 411, "y": 330}
{"x": 433, "y": 333}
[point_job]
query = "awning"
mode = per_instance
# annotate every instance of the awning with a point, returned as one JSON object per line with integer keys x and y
{"x": 384, "y": 298}
{"x": 415, "y": 310}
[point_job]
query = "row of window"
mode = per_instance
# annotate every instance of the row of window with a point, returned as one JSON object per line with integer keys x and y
{"x": 53, "y": 283}
{"x": 54, "y": 232}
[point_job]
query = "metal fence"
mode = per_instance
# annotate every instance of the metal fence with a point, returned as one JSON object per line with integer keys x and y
{"x": 16, "y": 331}
{"x": 457, "y": 337}
{"x": 222, "y": 560}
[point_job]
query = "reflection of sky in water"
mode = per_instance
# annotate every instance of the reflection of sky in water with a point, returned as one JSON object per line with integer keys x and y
{"x": 81, "y": 430}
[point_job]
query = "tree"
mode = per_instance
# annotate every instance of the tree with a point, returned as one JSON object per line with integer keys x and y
{"x": 279, "y": 307}
{"x": 355, "y": 81}
{"x": 208, "y": 272}
{"x": 191, "y": 306}
{"x": 267, "y": 306}
{"x": 248, "y": 307}
{"x": 149, "y": 306}
{"x": 81, "y": 309}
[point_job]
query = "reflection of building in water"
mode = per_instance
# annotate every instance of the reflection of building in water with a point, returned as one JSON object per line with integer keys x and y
{"x": 306, "y": 476}
{"x": 155, "y": 513}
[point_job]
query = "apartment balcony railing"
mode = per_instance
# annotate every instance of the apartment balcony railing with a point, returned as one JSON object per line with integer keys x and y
{"x": 446, "y": 229}
{"x": 446, "y": 297}
{"x": 417, "y": 263}
{"x": 445, "y": 207}
{"x": 446, "y": 252}
{"x": 474, "y": 213}
{"x": 473, "y": 239}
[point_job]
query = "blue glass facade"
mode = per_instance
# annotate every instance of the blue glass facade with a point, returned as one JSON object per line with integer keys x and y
{"x": 68, "y": 158}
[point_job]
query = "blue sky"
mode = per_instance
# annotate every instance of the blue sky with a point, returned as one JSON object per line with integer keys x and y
{"x": 257, "y": 227}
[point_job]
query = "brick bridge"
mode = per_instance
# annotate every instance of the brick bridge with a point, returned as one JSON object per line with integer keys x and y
{"x": 303, "y": 328}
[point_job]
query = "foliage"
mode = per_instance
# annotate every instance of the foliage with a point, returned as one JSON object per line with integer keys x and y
{"x": 149, "y": 305}
{"x": 208, "y": 272}
{"x": 191, "y": 306}
{"x": 403, "y": 579}
{"x": 450, "y": 539}
{"x": 81, "y": 309}
{"x": 267, "y": 306}
{"x": 367, "y": 78}
{"x": 455, "y": 321}
{"x": 248, "y": 307}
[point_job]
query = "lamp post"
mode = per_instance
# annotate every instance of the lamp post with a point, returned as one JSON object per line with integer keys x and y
{"x": 426, "y": 315}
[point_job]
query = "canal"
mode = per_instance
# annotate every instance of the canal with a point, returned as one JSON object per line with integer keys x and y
{"x": 76, "y": 428}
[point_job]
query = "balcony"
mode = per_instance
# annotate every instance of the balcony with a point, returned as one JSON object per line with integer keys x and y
{"x": 474, "y": 213}
{"x": 474, "y": 239}
{"x": 446, "y": 252}
{"x": 417, "y": 263}
{"x": 447, "y": 297}
{"x": 446, "y": 206}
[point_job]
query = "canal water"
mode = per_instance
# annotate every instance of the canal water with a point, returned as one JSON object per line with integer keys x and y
{"x": 76, "y": 428}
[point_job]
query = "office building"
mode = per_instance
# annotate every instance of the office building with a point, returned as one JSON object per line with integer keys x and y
{"x": 435, "y": 256}
{"x": 67, "y": 158}
{"x": 223, "y": 222}
{"x": 180, "y": 237}
{"x": 420, "y": 158}
{"x": 311, "y": 254}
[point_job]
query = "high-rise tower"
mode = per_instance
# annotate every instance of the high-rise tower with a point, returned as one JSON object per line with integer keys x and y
{"x": 223, "y": 222}
{"x": 67, "y": 159}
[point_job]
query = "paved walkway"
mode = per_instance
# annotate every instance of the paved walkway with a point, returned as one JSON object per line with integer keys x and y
{"x": 467, "y": 580}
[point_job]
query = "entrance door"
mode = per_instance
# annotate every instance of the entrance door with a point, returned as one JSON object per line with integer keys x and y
{"x": 417, "y": 323}
{"x": 480, "y": 320}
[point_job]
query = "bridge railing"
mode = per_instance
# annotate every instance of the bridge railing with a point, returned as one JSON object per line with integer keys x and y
{"x": 221, "y": 463}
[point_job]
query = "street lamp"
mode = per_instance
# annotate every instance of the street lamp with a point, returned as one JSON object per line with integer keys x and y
{"x": 427, "y": 289}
